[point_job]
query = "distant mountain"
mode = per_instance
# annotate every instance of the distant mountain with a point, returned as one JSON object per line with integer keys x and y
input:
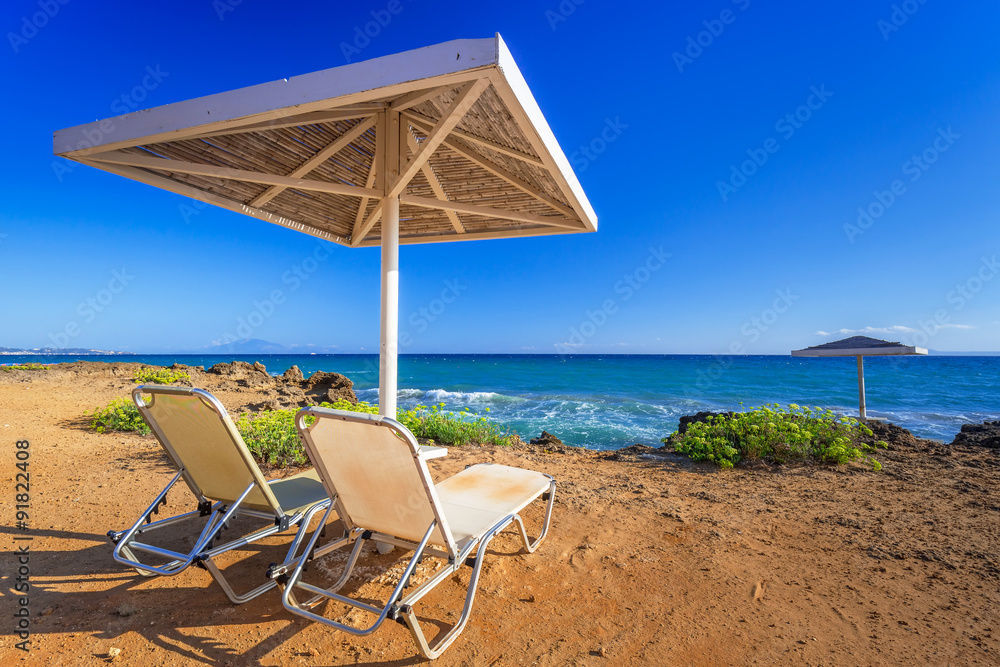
{"x": 75, "y": 351}
{"x": 258, "y": 346}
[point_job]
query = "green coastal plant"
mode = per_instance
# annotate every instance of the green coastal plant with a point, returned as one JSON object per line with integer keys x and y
{"x": 271, "y": 436}
{"x": 454, "y": 428}
{"x": 149, "y": 375}
{"x": 30, "y": 366}
{"x": 121, "y": 414}
{"x": 777, "y": 434}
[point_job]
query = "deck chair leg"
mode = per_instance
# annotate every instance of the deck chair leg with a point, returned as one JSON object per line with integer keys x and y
{"x": 352, "y": 560}
{"x": 410, "y": 619}
{"x": 206, "y": 559}
{"x": 123, "y": 552}
{"x": 233, "y": 596}
{"x": 392, "y": 608}
{"x": 528, "y": 544}
{"x": 179, "y": 561}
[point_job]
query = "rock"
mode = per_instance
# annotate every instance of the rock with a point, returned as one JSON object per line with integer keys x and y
{"x": 124, "y": 609}
{"x": 634, "y": 452}
{"x": 986, "y": 434}
{"x": 891, "y": 433}
{"x": 549, "y": 444}
{"x": 185, "y": 367}
{"x": 271, "y": 404}
{"x": 241, "y": 370}
{"x": 290, "y": 390}
{"x": 897, "y": 437}
{"x": 547, "y": 439}
{"x": 322, "y": 386}
{"x": 687, "y": 420}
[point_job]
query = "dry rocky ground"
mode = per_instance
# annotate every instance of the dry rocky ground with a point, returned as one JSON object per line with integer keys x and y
{"x": 652, "y": 559}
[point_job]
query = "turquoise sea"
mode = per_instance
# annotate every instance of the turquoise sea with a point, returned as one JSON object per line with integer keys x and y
{"x": 612, "y": 401}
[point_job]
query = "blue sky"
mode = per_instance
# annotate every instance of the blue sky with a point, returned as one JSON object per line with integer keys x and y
{"x": 746, "y": 137}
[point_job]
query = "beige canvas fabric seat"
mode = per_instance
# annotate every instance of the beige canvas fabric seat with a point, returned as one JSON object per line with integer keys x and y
{"x": 377, "y": 475}
{"x": 201, "y": 440}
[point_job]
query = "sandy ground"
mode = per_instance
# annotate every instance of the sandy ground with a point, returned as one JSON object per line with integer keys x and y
{"x": 650, "y": 560}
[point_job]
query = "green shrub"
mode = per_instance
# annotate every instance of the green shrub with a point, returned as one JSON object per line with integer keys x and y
{"x": 344, "y": 404}
{"x": 775, "y": 434}
{"x": 159, "y": 376}
{"x": 437, "y": 424}
{"x": 454, "y": 428}
{"x": 30, "y": 366}
{"x": 121, "y": 414}
{"x": 271, "y": 437}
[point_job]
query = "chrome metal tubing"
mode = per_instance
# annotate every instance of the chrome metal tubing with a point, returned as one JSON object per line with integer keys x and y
{"x": 390, "y": 606}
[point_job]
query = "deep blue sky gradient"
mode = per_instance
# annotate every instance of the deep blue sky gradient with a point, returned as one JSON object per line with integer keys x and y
{"x": 192, "y": 274}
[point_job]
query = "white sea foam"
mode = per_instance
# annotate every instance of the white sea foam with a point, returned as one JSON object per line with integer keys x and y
{"x": 457, "y": 398}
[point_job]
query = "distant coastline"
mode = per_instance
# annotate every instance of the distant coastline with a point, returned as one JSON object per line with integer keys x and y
{"x": 62, "y": 352}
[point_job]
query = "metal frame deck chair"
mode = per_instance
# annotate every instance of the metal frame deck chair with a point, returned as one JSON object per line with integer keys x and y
{"x": 377, "y": 475}
{"x": 202, "y": 442}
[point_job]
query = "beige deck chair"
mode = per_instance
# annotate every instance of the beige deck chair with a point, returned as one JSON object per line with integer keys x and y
{"x": 210, "y": 456}
{"x": 377, "y": 475}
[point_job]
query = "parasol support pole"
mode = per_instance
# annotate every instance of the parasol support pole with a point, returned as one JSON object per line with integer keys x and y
{"x": 389, "y": 347}
{"x": 861, "y": 389}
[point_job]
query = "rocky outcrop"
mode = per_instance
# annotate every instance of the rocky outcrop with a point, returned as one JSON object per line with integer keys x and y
{"x": 546, "y": 439}
{"x": 687, "y": 420}
{"x": 986, "y": 434}
{"x": 322, "y": 386}
{"x": 245, "y": 374}
{"x": 635, "y": 452}
{"x": 293, "y": 374}
{"x": 289, "y": 390}
{"x": 550, "y": 444}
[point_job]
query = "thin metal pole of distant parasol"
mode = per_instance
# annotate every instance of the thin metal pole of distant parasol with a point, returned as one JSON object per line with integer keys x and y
{"x": 861, "y": 389}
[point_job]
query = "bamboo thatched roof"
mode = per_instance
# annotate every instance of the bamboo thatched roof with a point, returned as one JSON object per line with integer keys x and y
{"x": 469, "y": 153}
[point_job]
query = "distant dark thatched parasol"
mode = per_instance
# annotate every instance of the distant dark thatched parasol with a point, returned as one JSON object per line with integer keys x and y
{"x": 860, "y": 347}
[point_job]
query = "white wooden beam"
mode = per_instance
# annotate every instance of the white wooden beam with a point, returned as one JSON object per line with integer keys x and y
{"x": 500, "y": 172}
{"x": 512, "y": 179}
{"x": 315, "y": 118}
{"x": 436, "y": 186}
{"x": 319, "y": 158}
{"x": 424, "y": 121}
{"x": 192, "y": 192}
{"x": 361, "y": 228}
{"x": 459, "y": 106}
{"x": 181, "y": 167}
{"x": 363, "y": 206}
{"x": 448, "y": 237}
{"x": 418, "y": 97}
{"x": 488, "y": 212}
{"x": 514, "y": 92}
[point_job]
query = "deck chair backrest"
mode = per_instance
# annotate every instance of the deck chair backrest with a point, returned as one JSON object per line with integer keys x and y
{"x": 197, "y": 433}
{"x": 373, "y": 466}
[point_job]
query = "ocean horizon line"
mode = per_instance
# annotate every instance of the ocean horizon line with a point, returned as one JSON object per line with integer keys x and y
{"x": 292, "y": 353}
